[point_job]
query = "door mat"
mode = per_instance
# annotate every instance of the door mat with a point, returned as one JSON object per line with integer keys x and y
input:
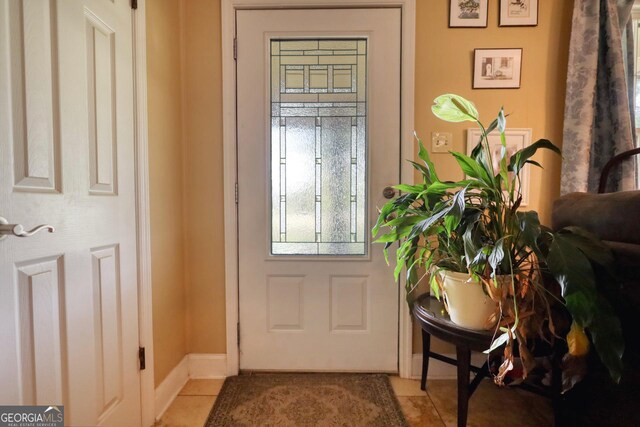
{"x": 306, "y": 400}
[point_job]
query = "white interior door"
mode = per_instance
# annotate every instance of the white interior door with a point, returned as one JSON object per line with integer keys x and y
{"x": 318, "y": 134}
{"x": 68, "y": 300}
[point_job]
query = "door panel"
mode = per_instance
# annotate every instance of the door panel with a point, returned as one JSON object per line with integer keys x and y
{"x": 34, "y": 94}
{"x": 318, "y": 99}
{"x": 41, "y": 325}
{"x": 68, "y": 300}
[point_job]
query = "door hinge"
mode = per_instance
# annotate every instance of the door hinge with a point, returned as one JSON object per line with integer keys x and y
{"x": 238, "y": 325}
{"x": 134, "y": 4}
{"x": 235, "y": 48}
{"x": 236, "y": 193}
{"x": 142, "y": 358}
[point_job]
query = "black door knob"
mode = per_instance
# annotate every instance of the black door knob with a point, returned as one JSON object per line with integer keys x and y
{"x": 389, "y": 193}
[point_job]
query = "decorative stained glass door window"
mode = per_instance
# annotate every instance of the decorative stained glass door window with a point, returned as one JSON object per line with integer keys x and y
{"x": 318, "y": 147}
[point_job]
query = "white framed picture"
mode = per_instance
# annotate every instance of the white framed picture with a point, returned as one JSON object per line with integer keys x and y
{"x": 517, "y": 139}
{"x": 497, "y": 68}
{"x": 518, "y": 13}
{"x": 468, "y": 13}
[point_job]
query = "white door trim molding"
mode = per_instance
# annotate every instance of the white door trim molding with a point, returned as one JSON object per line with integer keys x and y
{"x": 229, "y": 8}
{"x": 143, "y": 225}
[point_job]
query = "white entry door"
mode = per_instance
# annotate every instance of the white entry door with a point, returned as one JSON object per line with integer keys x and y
{"x": 68, "y": 300}
{"x": 318, "y": 134}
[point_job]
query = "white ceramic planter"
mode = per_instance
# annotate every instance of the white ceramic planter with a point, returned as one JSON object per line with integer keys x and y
{"x": 467, "y": 303}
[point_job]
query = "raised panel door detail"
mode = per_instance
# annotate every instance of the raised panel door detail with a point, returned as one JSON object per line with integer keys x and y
{"x": 101, "y": 79}
{"x": 107, "y": 327}
{"x": 34, "y": 96}
{"x": 318, "y": 147}
{"x": 40, "y": 290}
{"x": 349, "y": 304}
{"x": 285, "y": 303}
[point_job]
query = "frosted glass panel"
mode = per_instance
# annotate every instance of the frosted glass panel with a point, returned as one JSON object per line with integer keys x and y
{"x": 318, "y": 147}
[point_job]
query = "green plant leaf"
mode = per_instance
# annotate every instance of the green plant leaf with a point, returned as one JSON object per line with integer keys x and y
{"x": 533, "y": 162}
{"x": 457, "y": 203}
{"x": 471, "y": 167}
{"x": 471, "y": 247}
{"x": 442, "y": 187}
{"x": 529, "y": 225}
{"x": 497, "y": 255}
{"x": 590, "y": 245}
{"x": 431, "y": 175}
{"x": 410, "y": 188}
{"x": 481, "y": 256}
{"x": 581, "y": 304}
{"x": 433, "y": 284}
{"x": 520, "y": 157}
{"x": 565, "y": 260}
{"x": 492, "y": 126}
{"x": 478, "y": 153}
{"x": 606, "y": 334}
{"x": 573, "y": 271}
{"x": 388, "y": 238}
{"x": 423, "y": 171}
{"x": 382, "y": 217}
{"x": 402, "y": 221}
{"x": 454, "y": 108}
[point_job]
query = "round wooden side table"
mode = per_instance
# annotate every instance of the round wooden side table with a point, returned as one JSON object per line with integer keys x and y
{"x": 434, "y": 320}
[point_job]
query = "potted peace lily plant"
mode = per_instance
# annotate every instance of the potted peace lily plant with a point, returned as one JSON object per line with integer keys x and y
{"x": 472, "y": 230}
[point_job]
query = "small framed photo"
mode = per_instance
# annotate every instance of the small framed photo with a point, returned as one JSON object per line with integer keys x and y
{"x": 497, "y": 68}
{"x": 468, "y": 13}
{"x": 517, "y": 139}
{"x": 518, "y": 13}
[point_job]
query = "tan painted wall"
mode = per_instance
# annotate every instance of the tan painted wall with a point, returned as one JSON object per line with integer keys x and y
{"x": 443, "y": 64}
{"x": 203, "y": 177}
{"x": 166, "y": 185}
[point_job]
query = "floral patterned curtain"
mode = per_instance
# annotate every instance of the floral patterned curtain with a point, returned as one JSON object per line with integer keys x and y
{"x": 598, "y": 118}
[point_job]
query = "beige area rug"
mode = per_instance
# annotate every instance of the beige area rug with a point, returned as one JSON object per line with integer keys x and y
{"x": 306, "y": 400}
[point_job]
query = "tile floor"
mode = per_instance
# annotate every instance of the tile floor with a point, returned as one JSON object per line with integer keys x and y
{"x": 489, "y": 406}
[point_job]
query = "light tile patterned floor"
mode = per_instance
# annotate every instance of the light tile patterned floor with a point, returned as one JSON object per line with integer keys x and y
{"x": 192, "y": 405}
{"x": 489, "y": 406}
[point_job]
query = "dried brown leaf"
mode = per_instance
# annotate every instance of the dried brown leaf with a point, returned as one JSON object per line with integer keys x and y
{"x": 506, "y": 366}
{"x": 528, "y": 361}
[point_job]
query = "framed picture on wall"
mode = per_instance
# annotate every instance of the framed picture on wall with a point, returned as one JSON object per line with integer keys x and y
{"x": 518, "y": 13}
{"x": 468, "y": 13}
{"x": 517, "y": 139}
{"x": 497, "y": 68}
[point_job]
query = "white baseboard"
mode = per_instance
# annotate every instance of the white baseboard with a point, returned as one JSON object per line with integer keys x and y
{"x": 207, "y": 366}
{"x": 192, "y": 366}
{"x": 168, "y": 389}
{"x": 439, "y": 370}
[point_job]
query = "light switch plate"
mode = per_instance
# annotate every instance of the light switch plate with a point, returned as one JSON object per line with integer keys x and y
{"x": 441, "y": 142}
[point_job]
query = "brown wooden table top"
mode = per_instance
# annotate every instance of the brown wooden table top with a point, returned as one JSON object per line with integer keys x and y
{"x": 434, "y": 319}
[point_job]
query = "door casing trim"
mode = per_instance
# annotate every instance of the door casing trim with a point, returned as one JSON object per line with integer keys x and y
{"x": 407, "y": 82}
{"x": 143, "y": 223}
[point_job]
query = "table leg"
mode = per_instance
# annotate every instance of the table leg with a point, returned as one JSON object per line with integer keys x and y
{"x": 557, "y": 399}
{"x": 464, "y": 360}
{"x": 480, "y": 375}
{"x": 426, "y": 349}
